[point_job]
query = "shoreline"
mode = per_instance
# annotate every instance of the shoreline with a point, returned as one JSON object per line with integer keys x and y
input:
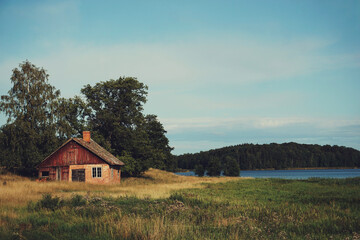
{"x": 303, "y": 168}
{"x": 273, "y": 169}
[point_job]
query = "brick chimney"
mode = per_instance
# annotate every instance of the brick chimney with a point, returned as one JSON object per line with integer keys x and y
{"x": 86, "y": 136}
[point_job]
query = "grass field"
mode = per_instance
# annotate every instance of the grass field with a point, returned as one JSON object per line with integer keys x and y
{"x": 162, "y": 205}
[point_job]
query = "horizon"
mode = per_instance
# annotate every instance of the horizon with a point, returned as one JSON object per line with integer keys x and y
{"x": 219, "y": 74}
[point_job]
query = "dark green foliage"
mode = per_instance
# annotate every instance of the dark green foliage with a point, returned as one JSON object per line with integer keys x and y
{"x": 77, "y": 201}
{"x": 199, "y": 170}
{"x": 30, "y": 133}
{"x": 277, "y": 156}
{"x": 231, "y": 167}
{"x": 161, "y": 151}
{"x": 214, "y": 167}
{"x": 72, "y": 114}
{"x": 118, "y": 123}
{"x": 49, "y": 202}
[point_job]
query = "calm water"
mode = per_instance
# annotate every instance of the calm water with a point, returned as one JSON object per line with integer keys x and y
{"x": 296, "y": 174}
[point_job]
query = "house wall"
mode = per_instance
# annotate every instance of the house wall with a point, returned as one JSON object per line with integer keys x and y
{"x": 115, "y": 176}
{"x": 88, "y": 172}
{"x": 74, "y": 156}
{"x": 109, "y": 174}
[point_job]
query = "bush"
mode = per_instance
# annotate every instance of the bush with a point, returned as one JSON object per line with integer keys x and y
{"x": 199, "y": 170}
{"x": 177, "y": 197}
{"x": 49, "y": 202}
{"x": 77, "y": 201}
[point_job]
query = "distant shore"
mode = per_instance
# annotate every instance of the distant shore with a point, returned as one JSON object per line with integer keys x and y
{"x": 304, "y": 168}
{"x": 263, "y": 169}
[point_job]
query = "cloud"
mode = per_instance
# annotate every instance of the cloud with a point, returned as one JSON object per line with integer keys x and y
{"x": 199, "y": 61}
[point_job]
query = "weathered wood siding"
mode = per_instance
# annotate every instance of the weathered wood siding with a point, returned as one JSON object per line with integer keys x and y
{"x": 71, "y": 154}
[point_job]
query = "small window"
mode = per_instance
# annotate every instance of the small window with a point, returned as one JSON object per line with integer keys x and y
{"x": 99, "y": 172}
{"x": 45, "y": 173}
{"x": 96, "y": 172}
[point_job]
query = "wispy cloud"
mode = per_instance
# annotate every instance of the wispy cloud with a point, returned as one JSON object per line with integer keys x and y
{"x": 202, "y": 61}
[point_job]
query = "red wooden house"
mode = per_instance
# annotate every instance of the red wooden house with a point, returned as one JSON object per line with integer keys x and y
{"x": 83, "y": 160}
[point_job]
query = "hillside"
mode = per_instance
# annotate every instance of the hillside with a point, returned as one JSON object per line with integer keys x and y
{"x": 276, "y": 156}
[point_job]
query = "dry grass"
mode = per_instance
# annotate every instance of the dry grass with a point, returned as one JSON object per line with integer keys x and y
{"x": 18, "y": 191}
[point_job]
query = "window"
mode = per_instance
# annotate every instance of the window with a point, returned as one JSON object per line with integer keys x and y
{"x": 45, "y": 173}
{"x": 96, "y": 172}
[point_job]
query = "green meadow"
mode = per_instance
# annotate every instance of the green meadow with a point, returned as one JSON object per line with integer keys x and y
{"x": 239, "y": 209}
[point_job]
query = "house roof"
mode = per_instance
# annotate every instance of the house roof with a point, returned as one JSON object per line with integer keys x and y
{"x": 101, "y": 152}
{"x": 95, "y": 148}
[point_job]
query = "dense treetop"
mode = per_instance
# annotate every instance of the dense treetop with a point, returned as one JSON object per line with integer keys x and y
{"x": 276, "y": 156}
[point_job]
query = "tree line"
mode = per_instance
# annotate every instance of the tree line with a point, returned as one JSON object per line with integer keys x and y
{"x": 39, "y": 120}
{"x": 273, "y": 156}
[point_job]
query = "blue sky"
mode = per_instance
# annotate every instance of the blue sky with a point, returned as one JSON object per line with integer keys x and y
{"x": 219, "y": 72}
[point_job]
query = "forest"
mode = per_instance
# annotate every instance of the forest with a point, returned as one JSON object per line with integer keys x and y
{"x": 268, "y": 156}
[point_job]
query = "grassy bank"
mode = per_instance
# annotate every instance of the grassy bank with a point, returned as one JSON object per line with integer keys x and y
{"x": 235, "y": 209}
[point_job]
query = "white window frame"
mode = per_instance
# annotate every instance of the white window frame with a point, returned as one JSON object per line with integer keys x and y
{"x": 97, "y": 171}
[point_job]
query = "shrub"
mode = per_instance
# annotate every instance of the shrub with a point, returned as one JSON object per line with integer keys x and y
{"x": 49, "y": 202}
{"x": 177, "y": 197}
{"x": 77, "y": 201}
{"x": 199, "y": 170}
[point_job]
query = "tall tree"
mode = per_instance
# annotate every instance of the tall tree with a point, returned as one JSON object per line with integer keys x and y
{"x": 32, "y": 98}
{"x": 231, "y": 167}
{"x": 31, "y": 109}
{"x": 214, "y": 166}
{"x": 199, "y": 170}
{"x": 117, "y": 121}
{"x": 161, "y": 150}
{"x": 71, "y": 117}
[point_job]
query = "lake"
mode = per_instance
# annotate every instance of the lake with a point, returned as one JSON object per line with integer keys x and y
{"x": 295, "y": 174}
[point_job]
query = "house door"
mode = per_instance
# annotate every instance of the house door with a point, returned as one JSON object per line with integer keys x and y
{"x": 58, "y": 173}
{"x": 78, "y": 175}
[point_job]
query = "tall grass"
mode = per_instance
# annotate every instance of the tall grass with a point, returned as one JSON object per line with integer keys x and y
{"x": 238, "y": 209}
{"x": 18, "y": 191}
